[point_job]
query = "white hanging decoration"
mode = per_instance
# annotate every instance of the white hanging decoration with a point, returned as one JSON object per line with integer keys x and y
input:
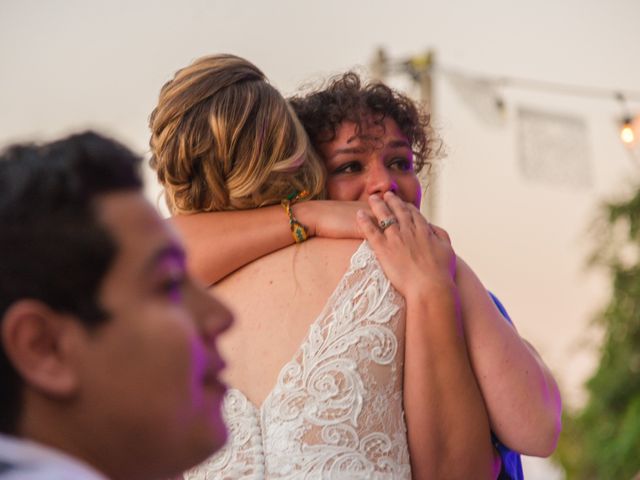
{"x": 481, "y": 96}
{"x": 553, "y": 148}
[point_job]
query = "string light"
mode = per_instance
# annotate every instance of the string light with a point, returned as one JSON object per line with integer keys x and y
{"x": 627, "y": 135}
{"x": 424, "y": 64}
{"x": 627, "y": 132}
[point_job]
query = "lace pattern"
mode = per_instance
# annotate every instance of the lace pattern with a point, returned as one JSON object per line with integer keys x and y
{"x": 336, "y": 409}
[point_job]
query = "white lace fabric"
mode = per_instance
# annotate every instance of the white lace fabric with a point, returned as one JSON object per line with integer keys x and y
{"x": 336, "y": 409}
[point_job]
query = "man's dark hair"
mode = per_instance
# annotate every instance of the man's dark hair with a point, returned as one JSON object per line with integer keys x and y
{"x": 52, "y": 246}
{"x": 347, "y": 98}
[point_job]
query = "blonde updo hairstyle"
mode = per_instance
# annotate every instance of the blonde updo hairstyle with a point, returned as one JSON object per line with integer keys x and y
{"x": 223, "y": 138}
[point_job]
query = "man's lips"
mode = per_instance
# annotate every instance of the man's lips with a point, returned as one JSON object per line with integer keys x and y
{"x": 211, "y": 376}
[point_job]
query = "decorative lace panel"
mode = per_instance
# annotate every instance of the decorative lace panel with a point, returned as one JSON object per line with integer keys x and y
{"x": 336, "y": 409}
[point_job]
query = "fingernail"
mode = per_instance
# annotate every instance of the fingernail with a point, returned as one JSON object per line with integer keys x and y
{"x": 361, "y": 214}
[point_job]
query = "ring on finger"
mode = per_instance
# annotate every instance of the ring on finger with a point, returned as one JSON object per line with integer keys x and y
{"x": 387, "y": 222}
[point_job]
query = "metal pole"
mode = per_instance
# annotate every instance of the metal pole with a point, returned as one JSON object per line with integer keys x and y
{"x": 419, "y": 69}
{"x": 379, "y": 65}
{"x": 429, "y": 177}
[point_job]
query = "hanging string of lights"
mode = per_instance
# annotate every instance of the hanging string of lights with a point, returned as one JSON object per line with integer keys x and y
{"x": 627, "y": 131}
{"x": 424, "y": 65}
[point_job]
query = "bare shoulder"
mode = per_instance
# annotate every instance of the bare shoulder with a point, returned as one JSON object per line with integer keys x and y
{"x": 189, "y": 227}
{"x": 334, "y": 245}
{"x": 322, "y": 262}
{"x": 329, "y": 252}
{"x": 183, "y": 223}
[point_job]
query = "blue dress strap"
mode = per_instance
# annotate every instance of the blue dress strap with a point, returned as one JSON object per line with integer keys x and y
{"x": 511, "y": 461}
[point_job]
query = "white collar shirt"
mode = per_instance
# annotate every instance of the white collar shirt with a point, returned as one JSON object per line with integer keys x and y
{"x": 27, "y": 460}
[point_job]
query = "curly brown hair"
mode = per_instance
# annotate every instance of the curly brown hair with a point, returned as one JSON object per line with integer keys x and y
{"x": 347, "y": 98}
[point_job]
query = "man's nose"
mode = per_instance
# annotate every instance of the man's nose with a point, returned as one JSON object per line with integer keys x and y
{"x": 213, "y": 316}
{"x": 220, "y": 317}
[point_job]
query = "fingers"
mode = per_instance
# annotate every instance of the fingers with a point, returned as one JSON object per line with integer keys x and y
{"x": 386, "y": 218}
{"x": 400, "y": 209}
{"x": 441, "y": 233}
{"x": 393, "y": 214}
{"x": 369, "y": 227}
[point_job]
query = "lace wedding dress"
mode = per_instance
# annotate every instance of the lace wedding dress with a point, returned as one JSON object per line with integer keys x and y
{"x": 336, "y": 409}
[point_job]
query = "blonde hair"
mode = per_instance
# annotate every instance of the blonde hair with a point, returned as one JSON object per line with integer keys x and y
{"x": 223, "y": 138}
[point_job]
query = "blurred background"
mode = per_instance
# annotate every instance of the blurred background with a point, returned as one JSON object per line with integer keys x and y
{"x": 531, "y": 100}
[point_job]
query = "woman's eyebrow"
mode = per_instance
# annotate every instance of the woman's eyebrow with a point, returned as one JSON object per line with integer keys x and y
{"x": 348, "y": 150}
{"x": 398, "y": 143}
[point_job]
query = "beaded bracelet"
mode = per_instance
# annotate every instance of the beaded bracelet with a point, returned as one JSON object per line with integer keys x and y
{"x": 298, "y": 231}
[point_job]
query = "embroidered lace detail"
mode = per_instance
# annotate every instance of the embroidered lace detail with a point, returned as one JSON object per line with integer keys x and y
{"x": 336, "y": 409}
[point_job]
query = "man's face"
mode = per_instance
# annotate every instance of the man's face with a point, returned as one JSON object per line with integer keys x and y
{"x": 375, "y": 161}
{"x": 149, "y": 374}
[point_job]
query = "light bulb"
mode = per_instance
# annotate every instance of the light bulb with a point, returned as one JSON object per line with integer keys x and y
{"x": 626, "y": 133}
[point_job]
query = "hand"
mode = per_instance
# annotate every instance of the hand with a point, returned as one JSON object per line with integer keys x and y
{"x": 330, "y": 218}
{"x": 415, "y": 255}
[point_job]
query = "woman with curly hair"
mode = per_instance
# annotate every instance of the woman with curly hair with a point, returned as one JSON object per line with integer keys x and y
{"x": 351, "y": 124}
{"x": 327, "y": 358}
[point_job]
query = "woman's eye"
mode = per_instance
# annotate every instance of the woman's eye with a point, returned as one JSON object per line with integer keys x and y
{"x": 401, "y": 164}
{"x": 350, "y": 167}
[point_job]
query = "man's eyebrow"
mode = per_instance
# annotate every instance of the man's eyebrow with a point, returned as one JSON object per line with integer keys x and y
{"x": 171, "y": 251}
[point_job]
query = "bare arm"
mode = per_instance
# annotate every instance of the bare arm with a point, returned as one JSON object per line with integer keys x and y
{"x": 520, "y": 393}
{"x": 221, "y": 242}
{"x": 447, "y": 424}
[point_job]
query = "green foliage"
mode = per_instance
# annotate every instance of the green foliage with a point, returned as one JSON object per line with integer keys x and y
{"x": 602, "y": 441}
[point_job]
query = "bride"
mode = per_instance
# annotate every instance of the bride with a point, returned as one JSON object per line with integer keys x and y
{"x": 327, "y": 358}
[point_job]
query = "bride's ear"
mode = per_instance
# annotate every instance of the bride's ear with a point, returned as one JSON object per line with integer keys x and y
{"x": 35, "y": 341}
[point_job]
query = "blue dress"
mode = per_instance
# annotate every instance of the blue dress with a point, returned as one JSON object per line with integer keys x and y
{"x": 511, "y": 462}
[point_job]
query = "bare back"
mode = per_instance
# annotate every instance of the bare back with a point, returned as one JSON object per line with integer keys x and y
{"x": 275, "y": 299}
{"x": 316, "y": 368}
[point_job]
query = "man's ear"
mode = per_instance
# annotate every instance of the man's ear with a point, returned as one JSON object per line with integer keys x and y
{"x": 35, "y": 339}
